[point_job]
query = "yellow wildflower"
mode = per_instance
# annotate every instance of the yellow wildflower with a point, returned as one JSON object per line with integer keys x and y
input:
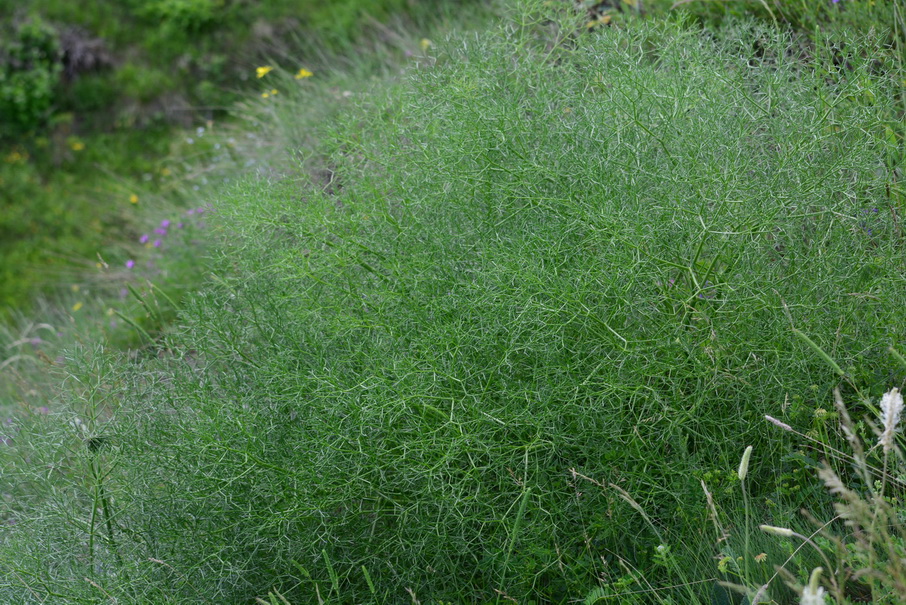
{"x": 425, "y": 44}
{"x": 274, "y": 91}
{"x": 304, "y": 73}
{"x": 602, "y": 20}
{"x": 133, "y": 199}
{"x": 263, "y": 71}
{"x": 77, "y": 306}
{"x": 16, "y": 157}
{"x": 265, "y": 95}
{"x": 76, "y": 145}
{"x": 165, "y": 172}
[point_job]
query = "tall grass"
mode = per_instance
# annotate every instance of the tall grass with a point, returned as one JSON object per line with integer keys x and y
{"x": 491, "y": 338}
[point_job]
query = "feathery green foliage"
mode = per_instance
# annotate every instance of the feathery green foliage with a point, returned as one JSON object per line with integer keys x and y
{"x": 491, "y": 335}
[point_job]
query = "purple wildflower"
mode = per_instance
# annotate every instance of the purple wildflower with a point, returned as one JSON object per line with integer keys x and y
{"x": 130, "y": 263}
{"x": 165, "y": 223}
{"x": 160, "y": 231}
{"x": 44, "y": 410}
{"x": 157, "y": 243}
{"x": 143, "y": 239}
{"x": 190, "y": 211}
{"x": 180, "y": 225}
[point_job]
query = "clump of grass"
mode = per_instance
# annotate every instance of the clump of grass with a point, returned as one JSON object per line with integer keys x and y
{"x": 866, "y": 538}
{"x": 807, "y": 17}
{"x": 539, "y": 257}
{"x": 860, "y": 548}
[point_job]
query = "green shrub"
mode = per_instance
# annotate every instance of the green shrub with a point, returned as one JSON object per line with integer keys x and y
{"x": 142, "y": 83}
{"x": 30, "y": 67}
{"x": 91, "y": 93}
{"x": 811, "y": 18}
{"x": 187, "y": 16}
{"x": 520, "y": 297}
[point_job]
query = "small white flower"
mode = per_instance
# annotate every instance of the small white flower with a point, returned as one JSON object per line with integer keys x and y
{"x": 891, "y": 407}
{"x": 812, "y": 596}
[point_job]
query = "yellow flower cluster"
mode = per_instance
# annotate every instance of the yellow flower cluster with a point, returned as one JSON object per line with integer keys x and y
{"x": 601, "y": 20}
{"x": 16, "y": 157}
{"x": 266, "y": 69}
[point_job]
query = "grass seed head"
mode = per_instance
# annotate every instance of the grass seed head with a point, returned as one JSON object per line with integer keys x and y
{"x": 891, "y": 407}
{"x": 744, "y": 464}
{"x": 777, "y": 531}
